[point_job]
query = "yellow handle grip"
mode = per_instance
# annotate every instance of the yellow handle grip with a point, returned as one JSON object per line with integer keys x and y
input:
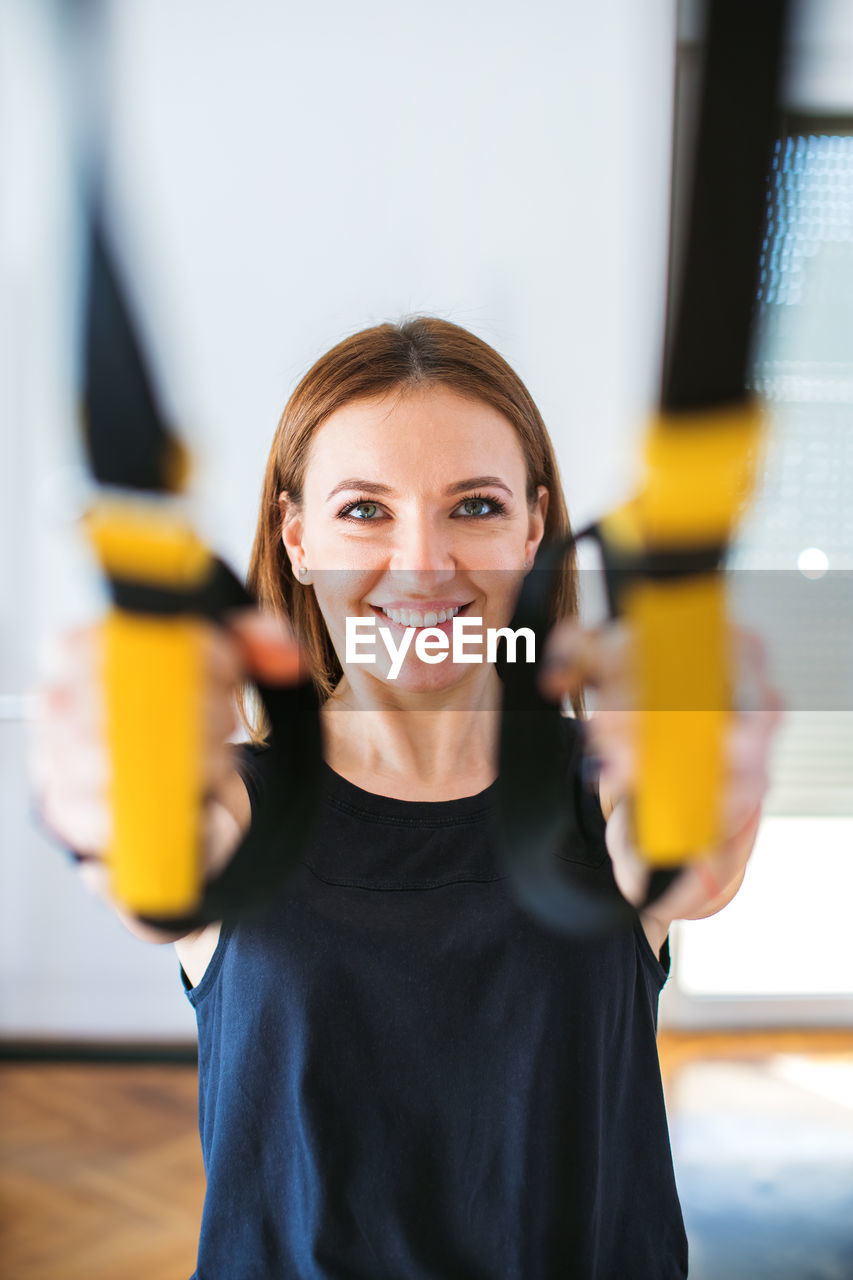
{"x": 684, "y": 688}
{"x": 153, "y": 680}
{"x": 699, "y": 471}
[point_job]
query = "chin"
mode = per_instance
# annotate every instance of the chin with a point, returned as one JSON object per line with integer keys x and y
{"x": 422, "y": 678}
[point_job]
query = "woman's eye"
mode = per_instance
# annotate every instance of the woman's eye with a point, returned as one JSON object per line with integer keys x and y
{"x": 361, "y": 510}
{"x": 480, "y": 507}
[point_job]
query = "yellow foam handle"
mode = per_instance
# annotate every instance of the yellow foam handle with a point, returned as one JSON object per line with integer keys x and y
{"x": 699, "y": 470}
{"x": 154, "y": 709}
{"x": 683, "y": 681}
{"x": 153, "y": 680}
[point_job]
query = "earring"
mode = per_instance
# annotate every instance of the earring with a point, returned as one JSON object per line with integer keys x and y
{"x": 302, "y": 575}
{"x": 303, "y": 571}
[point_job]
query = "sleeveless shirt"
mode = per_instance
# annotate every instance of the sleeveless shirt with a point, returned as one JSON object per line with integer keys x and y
{"x": 404, "y": 1076}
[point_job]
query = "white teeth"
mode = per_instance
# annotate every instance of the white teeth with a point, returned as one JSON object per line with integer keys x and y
{"x": 411, "y": 617}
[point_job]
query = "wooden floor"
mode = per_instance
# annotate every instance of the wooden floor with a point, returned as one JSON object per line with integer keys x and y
{"x": 100, "y": 1168}
{"x": 100, "y": 1175}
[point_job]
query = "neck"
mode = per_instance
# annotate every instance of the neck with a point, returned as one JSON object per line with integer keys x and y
{"x": 436, "y": 745}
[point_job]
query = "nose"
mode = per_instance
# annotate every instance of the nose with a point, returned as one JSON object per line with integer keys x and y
{"x": 422, "y": 557}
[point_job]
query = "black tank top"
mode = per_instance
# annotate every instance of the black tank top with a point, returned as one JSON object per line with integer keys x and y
{"x": 404, "y": 1076}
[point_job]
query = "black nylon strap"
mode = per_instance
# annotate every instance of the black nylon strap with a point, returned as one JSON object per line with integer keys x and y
{"x": 134, "y": 596}
{"x": 130, "y": 447}
{"x": 707, "y": 345}
{"x": 128, "y": 443}
{"x": 706, "y": 357}
{"x": 534, "y": 799}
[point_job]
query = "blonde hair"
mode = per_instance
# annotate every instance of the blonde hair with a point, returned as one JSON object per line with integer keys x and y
{"x": 415, "y": 353}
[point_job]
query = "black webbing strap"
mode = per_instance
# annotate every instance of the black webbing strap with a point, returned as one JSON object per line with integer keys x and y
{"x": 131, "y": 449}
{"x": 536, "y": 816}
{"x": 534, "y": 800}
{"x": 708, "y": 334}
{"x": 706, "y": 359}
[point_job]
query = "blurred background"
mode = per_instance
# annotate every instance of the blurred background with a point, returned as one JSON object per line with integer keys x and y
{"x": 279, "y": 175}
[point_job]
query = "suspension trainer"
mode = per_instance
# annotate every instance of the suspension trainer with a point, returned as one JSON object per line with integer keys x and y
{"x": 164, "y": 584}
{"x": 663, "y": 551}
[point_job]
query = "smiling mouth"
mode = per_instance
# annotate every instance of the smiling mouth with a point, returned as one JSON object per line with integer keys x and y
{"x": 442, "y": 618}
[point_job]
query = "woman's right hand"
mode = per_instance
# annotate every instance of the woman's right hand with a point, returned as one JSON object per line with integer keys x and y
{"x": 69, "y": 763}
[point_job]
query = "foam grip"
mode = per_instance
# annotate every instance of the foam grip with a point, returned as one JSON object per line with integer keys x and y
{"x": 683, "y": 683}
{"x": 153, "y": 680}
{"x": 154, "y": 687}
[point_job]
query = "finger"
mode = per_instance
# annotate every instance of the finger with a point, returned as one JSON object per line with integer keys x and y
{"x": 689, "y": 893}
{"x": 708, "y": 883}
{"x": 269, "y": 647}
{"x": 223, "y": 656}
{"x": 613, "y": 746}
{"x": 750, "y": 649}
{"x": 575, "y": 656}
{"x": 753, "y": 690}
{"x": 742, "y": 799}
{"x": 70, "y": 685}
{"x": 748, "y": 780}
{"x": 612, "y": 736}
{"x": 749, "y": 735}
{"x": 703, "y": 886}
{"x": 57, "y": 651}
{"x": 79, "y": 819}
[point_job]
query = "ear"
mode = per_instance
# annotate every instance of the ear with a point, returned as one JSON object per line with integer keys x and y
{"x": 291, "y": 532}
{"x": 536, "y": 523}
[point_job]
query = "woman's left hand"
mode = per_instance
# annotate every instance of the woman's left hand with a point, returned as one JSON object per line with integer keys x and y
{"x": 574, "y": 657}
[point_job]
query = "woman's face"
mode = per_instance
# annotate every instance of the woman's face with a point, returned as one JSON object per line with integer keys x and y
{"x": 414, "y": 505}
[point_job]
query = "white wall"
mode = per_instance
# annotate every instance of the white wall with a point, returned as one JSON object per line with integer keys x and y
{"x": 282, "y": 175}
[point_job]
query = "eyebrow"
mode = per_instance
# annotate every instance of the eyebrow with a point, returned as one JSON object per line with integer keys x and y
{"x": 370, "y": 486}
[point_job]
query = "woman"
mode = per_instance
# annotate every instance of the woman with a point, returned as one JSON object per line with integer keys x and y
{"x": 402, "y": 1073}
